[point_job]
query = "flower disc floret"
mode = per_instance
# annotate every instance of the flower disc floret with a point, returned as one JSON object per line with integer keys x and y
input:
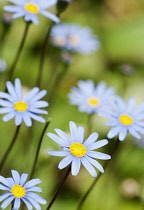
{"x": 32, "y": 8}
{"x": 18, "y": 191}
{"x": 77, "y": 151}
{"x": 20, "y": 106}
{"x": 125, "y": 119}
{"x": 93, "y": 101}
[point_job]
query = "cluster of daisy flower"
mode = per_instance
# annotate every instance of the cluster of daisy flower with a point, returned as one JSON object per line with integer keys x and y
{"x": 90, "y": 99}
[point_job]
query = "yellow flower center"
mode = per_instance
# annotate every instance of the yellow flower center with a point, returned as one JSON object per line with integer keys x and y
{"x": 93, "y": 101}
{"x": 20, "y": 106}
{"x": 32, "y": 8}
{"x": 78, "y": 149}
{"x": 18, "y": 191}
{"x": 73, "y": 40}
{"x": 59, "y": 41}
{"x": 125, "y": 119}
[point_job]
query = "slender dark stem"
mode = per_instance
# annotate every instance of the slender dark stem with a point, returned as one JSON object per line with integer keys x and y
{"x": 38, "y": 148}
{"x": 13, "y": 66}
{"x": 59, "y": 188}
{"x": 98, "y": 177}
{"x": 42, "y": 58}
{"x": 5, "y": 156}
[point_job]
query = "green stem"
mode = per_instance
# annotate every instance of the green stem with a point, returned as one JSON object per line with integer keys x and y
{"x": 38, "y": 148}
{"x": 98, "y": 177}
{"x": 15, "y": 61}
{"x": 5, "y": 156}
{"x": 59, "y": 188}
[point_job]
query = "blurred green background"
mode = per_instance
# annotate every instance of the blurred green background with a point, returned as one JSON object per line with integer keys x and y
{"x": 119, "y": 25}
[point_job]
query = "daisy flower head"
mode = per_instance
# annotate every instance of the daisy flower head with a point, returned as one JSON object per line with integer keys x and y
{"x": 14, "y": 104}
{"x": 77, "y": 151}
{"x": 29, "y": 9}
{"x": 90, "y": 98}
{"x": 74, "y": 38}
{"x": 17, "y": 191}
{"x": 125, "y": 118}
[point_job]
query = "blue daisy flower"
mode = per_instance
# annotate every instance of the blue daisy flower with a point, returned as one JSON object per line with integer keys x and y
{"x": 29, "y": 9}
{"x": 18, "y": 191}
{"x": 124, "y": 118}
{"x": 76, "y": 151}
{"x": 89, "y": 98}
{"x": 22, "y": 108}
{"x": 75, "y": 38}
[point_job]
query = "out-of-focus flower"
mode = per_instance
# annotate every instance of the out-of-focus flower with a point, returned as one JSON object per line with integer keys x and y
{"x": 77, "y": 151}
{"x": 3, "y": 65}
{"x": 29, "y": 9}
{"x": 75, "y": 38}
{"x": 18, "y": 190}
{"x": 124, "y": 118}
{"x": 7, "y": 19}
{"x": 22, "y": 108}
{"x": 130, "y": 188}
{"x": 89, "y": 98}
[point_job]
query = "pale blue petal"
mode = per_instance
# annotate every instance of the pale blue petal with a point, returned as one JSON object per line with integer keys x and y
{"x": 130, "y": 105}
{"x": 122, "y": 133}
{"x": 36, "y": 197}
{"x": 6, "y": 96}
{"x": 95, "y": 163}
{"x": 3, "y": 187}
{"x": 5, "y": 110}
{"x": 32, "y": 183}
{"x": 139, "y": 129}
{"x": 113, "y": 132}
{"x": 9, "y": 116}
{"x": 80, "y": 134}
{"x": 18, "y": 88}
{"x": 5, "y": 195}
{"x": 97, "y": 145}
{"x": 40, "y": 104}
{"x": 34, "y": 189}
{"x": 37, "y": 117}
{"x": 98, "y": 155}
{"x": 50, "y": 16}
{"x": 29, "y": 206}
{"x": 57, "y": 139}
{"x": 59, "y": 153}
{"x": 63, "y": 136}
{"x": 46, "y": 4}
{"x": 39, "y": 95}
{"x": 27, "y": 119}
{"x": 16, "y": 204}
{"x": 31, "y": 94}
{"x": 65, "y": 162}
{"x": 88, "y": 167}
{"x": 23, "y": 179}
{"x": 33, "y": 202}
{"x": 11, "y": 181}
{"x": 11, "y": 90}
{"x": 5, "y": 103}
{"x": 7, "y": 202}
{"x": 74, "y": 131}
{"x": 16, "y": 176}
{"x": 91, "y": 139}
{"x": 134, "y": 133}
{"x": 75, "y": 167}
{"x": 18, "y": 118}
{"x": 5, "y": 181}
{"x": 37, "y": 111}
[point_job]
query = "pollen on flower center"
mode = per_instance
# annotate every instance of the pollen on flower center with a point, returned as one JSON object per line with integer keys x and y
{"x": 73, "y": 40}
{"x": 20, "y": 106}
{"x": 93, "y": 101}
{"x": 78, "y": 149}
{"x": 125, "y": 119}
{"x": 18, "y": 191}
{"x": 32, "y": 8}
